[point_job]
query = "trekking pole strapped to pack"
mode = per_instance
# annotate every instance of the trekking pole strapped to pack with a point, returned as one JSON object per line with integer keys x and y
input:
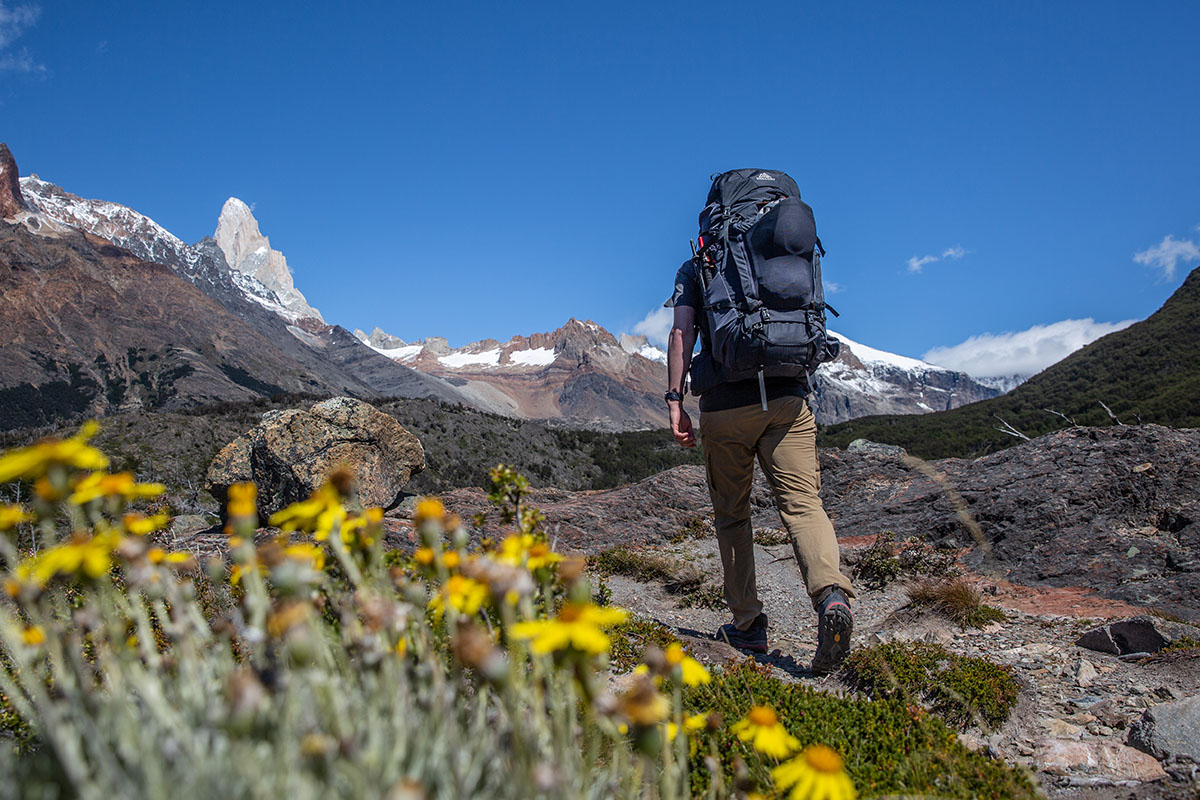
{"x": 759, "y": 263}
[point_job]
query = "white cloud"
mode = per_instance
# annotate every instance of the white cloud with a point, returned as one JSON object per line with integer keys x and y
{"x": 833, "y": 288}
{"x": 1023, "y": 352}
{"x": 14, "y": 21}
{"x": 656, "y": 326}
{"x": 954, "y": 253}
{"x": 918, "y": 264}
{"x": 1167, "y": 254}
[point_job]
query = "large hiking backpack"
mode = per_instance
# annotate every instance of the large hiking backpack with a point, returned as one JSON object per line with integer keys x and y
{"x": 759, "y": 263}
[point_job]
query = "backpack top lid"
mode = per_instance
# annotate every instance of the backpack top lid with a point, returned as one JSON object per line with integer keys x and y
{"x": 734, "y": 192}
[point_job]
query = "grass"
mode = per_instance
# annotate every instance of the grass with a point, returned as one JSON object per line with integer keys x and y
{"x": 644, "y": 565}
{"x": 695, "y": 527}
{"x": 890, "y": 747}
{"x": 956, "y": 600}
{"x": 963, "y": 690}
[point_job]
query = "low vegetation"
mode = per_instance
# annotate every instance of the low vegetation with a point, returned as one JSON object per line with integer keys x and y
{"x": 886, "y": 560}
{"x": 956, "y": 600}
{"x": 963, "y": 690}
{"x": 890, "y": 746}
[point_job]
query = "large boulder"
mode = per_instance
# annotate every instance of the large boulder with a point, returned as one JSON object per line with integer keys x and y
{"x": 1143, "y": 634}
{"x": 1169, "y": 729}
{"x": 289, "y": 454}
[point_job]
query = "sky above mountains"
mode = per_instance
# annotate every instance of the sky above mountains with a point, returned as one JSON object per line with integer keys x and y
{"x": 996, "y": 183}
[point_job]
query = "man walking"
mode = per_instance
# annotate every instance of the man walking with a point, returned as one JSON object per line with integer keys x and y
{"x": 763, "y": 416}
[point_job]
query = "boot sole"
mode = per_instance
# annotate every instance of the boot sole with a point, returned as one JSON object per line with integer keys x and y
{"x": 840, "y": 629}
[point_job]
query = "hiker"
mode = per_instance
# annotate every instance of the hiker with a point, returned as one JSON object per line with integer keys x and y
{"x": 753, "y": 293}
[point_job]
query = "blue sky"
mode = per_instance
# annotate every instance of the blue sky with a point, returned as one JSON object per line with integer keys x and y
{"x": 483, "y": 170}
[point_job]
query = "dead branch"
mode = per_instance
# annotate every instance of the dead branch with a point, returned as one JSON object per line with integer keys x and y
{"x": 1009, "y": 429}
{"x": 1060, "y": 414}
{"x": 1110, "y": 413}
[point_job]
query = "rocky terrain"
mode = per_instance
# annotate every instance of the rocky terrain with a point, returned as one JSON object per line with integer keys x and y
{"x": 1074, "y": 537}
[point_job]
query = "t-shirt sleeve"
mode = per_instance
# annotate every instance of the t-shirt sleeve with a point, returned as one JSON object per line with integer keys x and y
{"x": 687, "y": 288}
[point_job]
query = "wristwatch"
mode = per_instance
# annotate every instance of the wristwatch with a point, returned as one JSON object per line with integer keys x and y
{"x": 673, "y": 395}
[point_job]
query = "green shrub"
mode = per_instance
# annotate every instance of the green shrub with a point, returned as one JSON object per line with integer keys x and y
{"x": 889, "y": 747}
{"x": 961, "y": 689}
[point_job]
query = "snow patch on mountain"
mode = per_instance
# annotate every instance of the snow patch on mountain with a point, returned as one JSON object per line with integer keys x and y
{"x": 536, "y": 357}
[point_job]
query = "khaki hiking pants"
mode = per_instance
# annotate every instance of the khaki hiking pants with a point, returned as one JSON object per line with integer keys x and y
{"x": 784, "y": 439}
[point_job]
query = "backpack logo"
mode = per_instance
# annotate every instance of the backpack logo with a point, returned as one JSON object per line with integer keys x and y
{"x": 764, "y": 176}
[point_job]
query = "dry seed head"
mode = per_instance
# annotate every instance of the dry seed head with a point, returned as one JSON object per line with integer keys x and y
{"x": 342, "y": 479}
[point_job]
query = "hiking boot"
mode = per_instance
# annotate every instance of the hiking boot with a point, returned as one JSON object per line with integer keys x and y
{"x": 753, "y": 638}
{"x": 834, "y": 627}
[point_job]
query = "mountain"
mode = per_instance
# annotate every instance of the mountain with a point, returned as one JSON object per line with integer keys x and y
{"x": 580, "y": 374}
{"x": 327, "y": 358}
{"x": 863, "y": 380}
{"x": 249, "y": 253}
{"x": 1148, "y": 372}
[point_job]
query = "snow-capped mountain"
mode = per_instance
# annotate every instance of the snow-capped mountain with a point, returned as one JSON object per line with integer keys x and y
{"x": 580, "y": 374}
{"x": 328, "y": 354}
{"x": 250, "y": 255}
{"x": 863, "y": 380}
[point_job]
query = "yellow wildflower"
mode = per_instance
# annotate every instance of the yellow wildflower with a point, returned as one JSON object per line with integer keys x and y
{"x": 578, "y": 626}
{"x": 524, "y": 550}
{"x": 33, "y": 635}
{"x": 140, "y": 525}
{"x": 815, "y": 774}
{"x": 359, "y": 528}
{"x": 288, "y": 617}
{"x": 691, "y": 671}
{"x": 642, "y": 704}
{"x": 120, "y": 484}
{"x": 452, "y": 559}
{"x": 691, "y": 724}
{"x": 241, "y": 500}
{"x": 12, "y": 515}
{"x": 311, "y": 554}
{"x": 424, "y": 556}
{"x": 91, "y": 555}
{"x": 317, "y": 515}
{"x": 762, "y": 730}
{"x": 156, "y": 555}
{"x": 461, "y": 593}
{"x": 428, "y": 509}
{"x": 35, "y": 460}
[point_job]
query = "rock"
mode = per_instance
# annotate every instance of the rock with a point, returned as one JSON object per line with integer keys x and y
{"x": 1169, "y": 729}
{"x": 188, "y": 523}
{"x": 12, "y": 202}
{"x": 1107, "y": 760}
{"x": 867, "y": 447}
{"x": 1143, "y": 634}
{"x": 1061, "y": 729}
{"x": 289, "y": 454}
{"x": 1085, "y": 673}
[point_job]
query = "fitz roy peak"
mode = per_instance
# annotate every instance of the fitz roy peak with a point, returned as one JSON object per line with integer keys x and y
{"x": 249, "y": 252}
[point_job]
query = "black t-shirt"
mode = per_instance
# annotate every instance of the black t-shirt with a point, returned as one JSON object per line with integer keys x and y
{"x": 733, "y": 394}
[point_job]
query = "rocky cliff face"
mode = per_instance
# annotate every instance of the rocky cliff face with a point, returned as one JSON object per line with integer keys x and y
{"x": 12, "y": 202}
{"x": 249, "y": 253}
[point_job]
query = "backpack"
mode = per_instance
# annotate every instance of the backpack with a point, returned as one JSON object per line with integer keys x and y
{"x": 759, "y": 265}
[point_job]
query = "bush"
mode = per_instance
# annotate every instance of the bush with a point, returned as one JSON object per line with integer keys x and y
{"x": 961, "y": 689}
{"x": 889, "y": 746}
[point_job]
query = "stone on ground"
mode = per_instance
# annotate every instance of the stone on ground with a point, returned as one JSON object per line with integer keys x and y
{"x": 290, "y": 453}
{"x": 1168, "y": 730}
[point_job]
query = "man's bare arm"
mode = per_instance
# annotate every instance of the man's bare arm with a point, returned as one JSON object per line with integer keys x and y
{"x": 679, "y": 358}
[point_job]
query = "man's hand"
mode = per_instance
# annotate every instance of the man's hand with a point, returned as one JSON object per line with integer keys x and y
{"x": 681, "y": 425}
